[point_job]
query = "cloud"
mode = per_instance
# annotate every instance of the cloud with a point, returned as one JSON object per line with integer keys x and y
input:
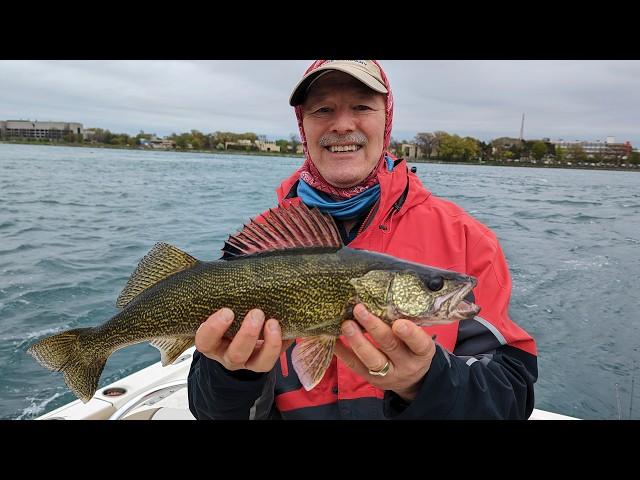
{"x": 587, "y": 100}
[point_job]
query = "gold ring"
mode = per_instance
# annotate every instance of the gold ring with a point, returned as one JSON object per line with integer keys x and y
{"x": 382, "y": 372}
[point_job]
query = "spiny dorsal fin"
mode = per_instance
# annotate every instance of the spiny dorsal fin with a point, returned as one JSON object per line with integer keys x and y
{"x": 294, "y": 226}
{"x": 162, "y": 261}
{"x": 171, "y": 347}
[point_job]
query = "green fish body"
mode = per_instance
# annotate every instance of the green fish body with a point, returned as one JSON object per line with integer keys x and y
{"x": 301, "y": 276}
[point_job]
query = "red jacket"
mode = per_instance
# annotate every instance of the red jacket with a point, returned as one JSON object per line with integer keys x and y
{"x": 483, "y": 368}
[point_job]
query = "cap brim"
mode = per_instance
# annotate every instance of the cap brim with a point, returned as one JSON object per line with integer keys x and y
{"x": 300, "y": 91}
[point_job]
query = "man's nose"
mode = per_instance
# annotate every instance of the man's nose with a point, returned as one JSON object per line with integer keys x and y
{"x": 344, "y": 121}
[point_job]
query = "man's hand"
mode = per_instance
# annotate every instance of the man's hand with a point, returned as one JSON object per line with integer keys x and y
{"x": 406, "y": 346}
{"x": 245, "y": 350}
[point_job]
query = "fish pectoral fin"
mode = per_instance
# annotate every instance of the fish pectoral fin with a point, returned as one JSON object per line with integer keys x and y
{"x": 171, "y": 347}
{"x": 162, "y": 261}
{"x": 311, "y": 357}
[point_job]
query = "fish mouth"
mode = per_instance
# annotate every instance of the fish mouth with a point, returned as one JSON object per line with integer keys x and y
{"x": 464, "y": 310}
{"x": 452, "y": 307}
{"x": 458, "y": 298}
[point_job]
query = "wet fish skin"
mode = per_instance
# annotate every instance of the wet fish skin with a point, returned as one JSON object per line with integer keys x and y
{"x": 309, "y": 290}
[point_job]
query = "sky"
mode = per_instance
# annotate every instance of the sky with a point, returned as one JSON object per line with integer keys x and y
{"x": 484, "y": 99}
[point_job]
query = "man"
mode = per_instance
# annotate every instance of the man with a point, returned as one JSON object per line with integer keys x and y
{"x": 480, "y": 368}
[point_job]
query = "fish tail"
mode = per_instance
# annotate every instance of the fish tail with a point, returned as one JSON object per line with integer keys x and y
{"x": 66, "y": 352}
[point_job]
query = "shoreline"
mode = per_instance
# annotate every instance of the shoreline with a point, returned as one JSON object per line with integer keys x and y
{"x": 295, "y": 155}
{"x": 529, "y": 165}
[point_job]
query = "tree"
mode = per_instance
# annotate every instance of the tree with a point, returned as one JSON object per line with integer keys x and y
{"x": 450, "y": 147}
{"x": 471, "y": 148}
{"x": 395, "y": 147}
{"x": 283, "y": 144}
{"x": 486, "y": 150}
{"x": 294, "y": 139}
{"x": 538, "y": 149}
{"x": 576, "y": 153}
{"x": 428, "y": 142}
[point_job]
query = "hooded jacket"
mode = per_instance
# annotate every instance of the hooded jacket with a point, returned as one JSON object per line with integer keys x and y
{"x": 483, "y": 368}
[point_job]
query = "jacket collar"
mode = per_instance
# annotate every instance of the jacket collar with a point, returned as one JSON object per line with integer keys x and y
{"x": 393, "y": 185}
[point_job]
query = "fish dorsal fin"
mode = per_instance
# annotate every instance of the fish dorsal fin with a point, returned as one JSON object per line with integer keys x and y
{"x": 283, "y": 228}
{"x": 171, "y": 347}
{"x": 162, "y": 261}
{"x": 311, "y": 357}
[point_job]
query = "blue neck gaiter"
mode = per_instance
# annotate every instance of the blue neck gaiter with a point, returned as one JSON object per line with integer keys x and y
{"x": 345, "y": 209}
{"x": 340, "y": 210}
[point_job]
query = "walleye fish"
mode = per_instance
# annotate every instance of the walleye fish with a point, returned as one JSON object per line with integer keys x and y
{"x": 290, "y": 263}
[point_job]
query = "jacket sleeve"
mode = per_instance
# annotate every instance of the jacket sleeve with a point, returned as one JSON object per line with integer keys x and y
{"x": 492, "y": 369}
{"x": 216, "y": 393}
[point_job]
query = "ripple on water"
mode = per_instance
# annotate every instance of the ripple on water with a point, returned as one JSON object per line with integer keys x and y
{"x": 80, "y": 220}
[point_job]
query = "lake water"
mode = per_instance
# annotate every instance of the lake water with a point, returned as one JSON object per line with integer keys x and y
{"x": 74, "y": 222}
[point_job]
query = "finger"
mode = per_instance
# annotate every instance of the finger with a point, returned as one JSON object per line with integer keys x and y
{"x": 418, "y": 341}
{"x": 209, "y": 338}
{"x": 350, "y": 359}
{"x": 369, "y": 355}
{"x": 380, "y": 332}
{"x": 244, "y": 342}
{"x": 265, "y": 358}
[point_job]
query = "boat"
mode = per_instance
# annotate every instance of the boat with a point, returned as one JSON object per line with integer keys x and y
{"x": 160, "y": 393}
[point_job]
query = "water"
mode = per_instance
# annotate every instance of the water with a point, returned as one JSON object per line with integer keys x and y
{"x": 74, "y": 222}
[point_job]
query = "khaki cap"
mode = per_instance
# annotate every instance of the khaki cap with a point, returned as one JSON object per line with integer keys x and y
{"x": 364, "y": 70}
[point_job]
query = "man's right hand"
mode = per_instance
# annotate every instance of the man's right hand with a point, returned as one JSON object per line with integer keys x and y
{"x": 245, "y": 350}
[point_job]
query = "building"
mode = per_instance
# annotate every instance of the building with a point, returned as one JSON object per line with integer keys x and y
{"x": 411, "y": 150}
{"x": 161, "y": 144}
{"x": 267, "y": 146}
{"x": 607, "y": 148}
{"x": 243, "y": 144}
{"x": 39, "y": 130}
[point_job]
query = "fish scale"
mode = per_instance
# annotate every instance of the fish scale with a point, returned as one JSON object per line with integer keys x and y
{"x": 310, "y": 290}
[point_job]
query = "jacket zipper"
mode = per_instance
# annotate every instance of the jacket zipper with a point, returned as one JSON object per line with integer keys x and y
{"x": 384, "y": 226}
{"x": 365, "y": 224}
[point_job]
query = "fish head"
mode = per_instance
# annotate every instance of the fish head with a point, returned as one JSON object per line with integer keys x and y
{"x": 427, "y": 296}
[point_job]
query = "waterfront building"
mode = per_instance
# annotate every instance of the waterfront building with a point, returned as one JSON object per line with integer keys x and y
{"x": 36, "y": 130}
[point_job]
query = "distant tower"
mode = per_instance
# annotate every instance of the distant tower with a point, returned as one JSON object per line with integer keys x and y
{"x": 522, "y": 129}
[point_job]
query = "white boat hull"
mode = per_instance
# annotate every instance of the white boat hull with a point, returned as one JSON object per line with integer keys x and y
{"x": 159, "y": 393}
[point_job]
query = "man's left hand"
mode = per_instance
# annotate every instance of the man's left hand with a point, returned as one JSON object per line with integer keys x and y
{"x": 406, "y": 346}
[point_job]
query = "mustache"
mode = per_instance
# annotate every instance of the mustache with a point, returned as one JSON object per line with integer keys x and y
{"x": 356, "y": 138}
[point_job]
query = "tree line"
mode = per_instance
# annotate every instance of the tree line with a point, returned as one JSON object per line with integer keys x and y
{"x": 438, "y": 146}
{"x": 443, "y": 146}
{"x": 194, "y": 139}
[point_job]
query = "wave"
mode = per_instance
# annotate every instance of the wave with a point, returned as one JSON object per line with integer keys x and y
{"x": 30, "y": 335}
{"x": 581, "y": 217}
{"x": 37, "y": 406}
{"x": 20, "y": 248}
{"x": 572, "y": 202}
{"x": 7, "y": 224}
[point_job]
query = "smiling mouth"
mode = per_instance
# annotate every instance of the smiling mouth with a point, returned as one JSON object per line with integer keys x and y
{"x": 343, "y": 148}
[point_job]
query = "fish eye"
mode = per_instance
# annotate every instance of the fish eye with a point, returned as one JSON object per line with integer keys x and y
{"x": 435, "y": 284}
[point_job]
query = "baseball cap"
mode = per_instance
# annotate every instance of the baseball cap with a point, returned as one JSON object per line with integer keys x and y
{"x": 364, "y": 70}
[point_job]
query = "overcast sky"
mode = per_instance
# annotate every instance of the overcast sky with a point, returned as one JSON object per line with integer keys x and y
{"x": 572, "y": 100}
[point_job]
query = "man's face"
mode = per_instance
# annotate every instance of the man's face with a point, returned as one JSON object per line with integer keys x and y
{"x": 344, "y": 123}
